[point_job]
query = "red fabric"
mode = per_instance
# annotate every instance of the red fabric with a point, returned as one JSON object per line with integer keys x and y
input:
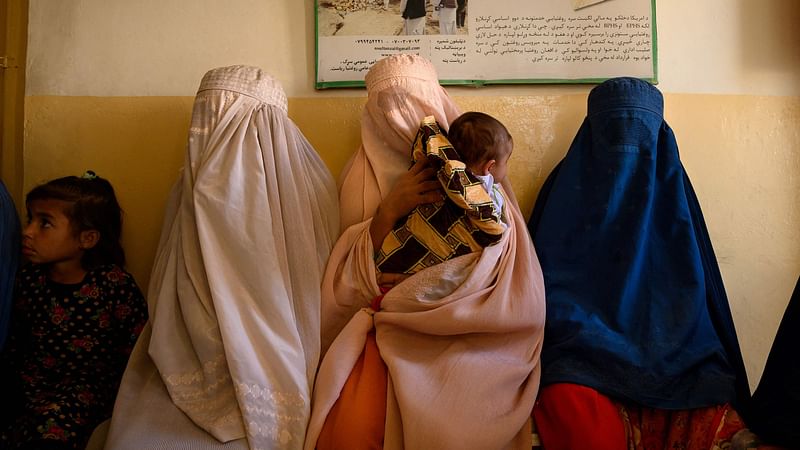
{"x": 375, "y": 304}
{"x": 357, "y": 420}
{"x": 570, "y": 417}
{"x": 658, "y": 428}
{"x": 690, "y": 429}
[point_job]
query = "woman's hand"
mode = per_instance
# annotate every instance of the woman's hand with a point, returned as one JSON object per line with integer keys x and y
{"x": 413, "y": 188}
{"x": 390, "y": 280}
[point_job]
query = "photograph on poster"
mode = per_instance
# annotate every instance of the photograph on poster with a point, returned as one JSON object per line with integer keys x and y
{"x": 489, "y": 41}
{"x": 391, "y": 17}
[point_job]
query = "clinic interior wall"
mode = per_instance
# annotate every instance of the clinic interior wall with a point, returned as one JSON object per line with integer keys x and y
{"x": 739, "y": 140}
{"x": 740, "y": 152}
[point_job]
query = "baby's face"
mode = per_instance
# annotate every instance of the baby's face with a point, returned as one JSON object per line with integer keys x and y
{"x": 500, "y": 168}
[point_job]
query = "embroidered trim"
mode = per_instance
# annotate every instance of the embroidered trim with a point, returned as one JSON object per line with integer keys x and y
{"x": 206, "y": 394}
{"x": 198, "y": 375}
{"x": 247, "y": 80}
{"x": 279, "y": 416}
{"x": 279, "y": 398}
{"x": 212, "y": 399}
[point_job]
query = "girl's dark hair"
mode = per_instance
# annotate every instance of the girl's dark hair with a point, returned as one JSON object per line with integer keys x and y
{"x": 477, "y": 136}
{"x": 93, "y": 206}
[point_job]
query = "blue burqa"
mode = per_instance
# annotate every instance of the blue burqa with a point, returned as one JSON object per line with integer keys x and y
{"x": 775, "y": 410}
{"x": 636, "y": 308}
{"x": 9, "y": 258}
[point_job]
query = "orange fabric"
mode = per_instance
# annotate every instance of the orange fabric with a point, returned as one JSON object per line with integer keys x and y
{"x": 571, "y": 416}
{"x": 465, "y": 332}
{"x": 358, "y": 418}
{"x": 461, "y": 339}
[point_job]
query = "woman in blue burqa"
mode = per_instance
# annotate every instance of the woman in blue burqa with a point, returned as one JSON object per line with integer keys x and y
{"x": 774, "y": 415}
{"x": 9, "y": 257}
{"x": 640, "y": 348}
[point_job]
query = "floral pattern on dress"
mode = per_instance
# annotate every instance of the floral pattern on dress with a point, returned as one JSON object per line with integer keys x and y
{"x": 66, "y": 353}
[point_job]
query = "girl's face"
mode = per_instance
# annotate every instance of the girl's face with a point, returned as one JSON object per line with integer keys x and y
{"x": 49, "y": 237}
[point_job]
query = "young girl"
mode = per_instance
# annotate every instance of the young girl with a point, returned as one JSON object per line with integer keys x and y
{"x": 76, "y": 317}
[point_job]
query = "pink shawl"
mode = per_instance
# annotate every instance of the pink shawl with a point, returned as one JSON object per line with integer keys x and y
{"x": 403, "y": 89}
{"x": 461, "y": 339}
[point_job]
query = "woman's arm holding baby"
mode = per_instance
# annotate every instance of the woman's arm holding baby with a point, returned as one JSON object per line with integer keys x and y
{"x": 413, "y": 188}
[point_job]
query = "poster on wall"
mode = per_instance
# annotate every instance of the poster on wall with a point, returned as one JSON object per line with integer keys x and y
{"x": 476, "y": 42}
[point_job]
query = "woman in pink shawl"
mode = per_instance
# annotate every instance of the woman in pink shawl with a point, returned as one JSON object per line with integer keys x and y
{"x": 460, "y": 340}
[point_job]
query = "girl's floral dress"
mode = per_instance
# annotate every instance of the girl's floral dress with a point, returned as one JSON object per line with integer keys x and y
{"x": 68, "y": 347}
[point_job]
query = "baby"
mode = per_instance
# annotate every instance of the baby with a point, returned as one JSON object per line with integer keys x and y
{"x": 469, "y": 165}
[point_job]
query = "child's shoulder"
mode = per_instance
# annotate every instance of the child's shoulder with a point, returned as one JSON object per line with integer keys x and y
{"x": 113, "y": 282}
{"x": 110, "y": 271}
{"x": 30, "y": 272}
{"x": 107, "y": 268}
{"x": 31, "y": 275}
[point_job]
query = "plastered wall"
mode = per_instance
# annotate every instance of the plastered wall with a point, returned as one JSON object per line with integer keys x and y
{"x": 110, "y": 85}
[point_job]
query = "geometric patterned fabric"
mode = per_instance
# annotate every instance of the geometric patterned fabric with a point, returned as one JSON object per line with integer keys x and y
{"x": 465, "y": 221}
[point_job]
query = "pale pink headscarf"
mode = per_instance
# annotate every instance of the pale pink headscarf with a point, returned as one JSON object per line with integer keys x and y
{"x": 461, "y": 339}
{"x": 402, "y": 90}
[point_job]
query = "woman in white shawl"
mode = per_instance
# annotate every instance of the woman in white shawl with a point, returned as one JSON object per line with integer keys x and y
{"x": 461, "y": 339}
{"x": 233, "y": 345}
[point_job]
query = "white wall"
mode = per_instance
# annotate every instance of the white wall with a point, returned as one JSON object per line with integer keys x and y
{"x": 739, "y": 144}
{"x": 163, "y": 47}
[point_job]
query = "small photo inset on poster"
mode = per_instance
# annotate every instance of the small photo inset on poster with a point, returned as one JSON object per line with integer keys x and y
{"x": 391, "y": 17}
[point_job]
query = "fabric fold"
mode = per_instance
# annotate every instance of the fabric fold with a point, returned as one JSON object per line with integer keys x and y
{"x": 636, "y": 305}
{"x": 461, "y": 339}
{"x": 234, "y": 296}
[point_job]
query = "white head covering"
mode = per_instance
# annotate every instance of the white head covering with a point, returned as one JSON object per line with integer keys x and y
{"x": 402, "y": 89}
{"x": 234, "y": 295}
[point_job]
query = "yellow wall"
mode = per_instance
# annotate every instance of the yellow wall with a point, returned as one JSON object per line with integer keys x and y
{"x": 121, "y": 106}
